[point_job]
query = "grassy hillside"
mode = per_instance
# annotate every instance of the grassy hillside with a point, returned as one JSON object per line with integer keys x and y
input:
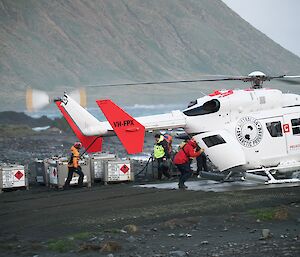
{"x": 58, "y": 45}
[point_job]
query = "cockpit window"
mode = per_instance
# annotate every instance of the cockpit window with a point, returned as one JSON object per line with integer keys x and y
{"x": 191, "y": 103}
{"x": 209, "y": 107}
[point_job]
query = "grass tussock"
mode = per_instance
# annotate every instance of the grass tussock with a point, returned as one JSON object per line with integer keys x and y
{"x": 265, "y": 214}
{"x": 69, "y": 243}
{"x": 61, "y": 245}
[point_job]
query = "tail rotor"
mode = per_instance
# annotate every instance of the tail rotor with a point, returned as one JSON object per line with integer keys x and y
{"x": 38, "y": 99}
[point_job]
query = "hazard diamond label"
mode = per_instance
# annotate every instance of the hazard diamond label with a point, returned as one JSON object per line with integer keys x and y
{"x": 19, "y": 175}
{"x": 124, "y": 169}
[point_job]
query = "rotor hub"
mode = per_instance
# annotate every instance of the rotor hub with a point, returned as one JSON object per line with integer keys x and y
{"x": 257, "y": 78}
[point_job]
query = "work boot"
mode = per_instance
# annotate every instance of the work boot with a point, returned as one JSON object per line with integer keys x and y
{"x": 182, "y": 186}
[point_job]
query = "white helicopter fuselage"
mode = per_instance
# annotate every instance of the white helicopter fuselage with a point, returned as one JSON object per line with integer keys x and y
{"x": 247, "y": 129}
{"x": 244, "y": 129}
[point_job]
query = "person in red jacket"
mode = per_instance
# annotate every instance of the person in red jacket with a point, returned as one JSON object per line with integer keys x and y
{"x": 183, "y": 160}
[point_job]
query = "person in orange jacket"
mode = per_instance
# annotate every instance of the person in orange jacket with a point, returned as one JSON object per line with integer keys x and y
{"x": 169, "y": 140}
{"x": 183, "y": 160}
{"x": 73, "y": 165}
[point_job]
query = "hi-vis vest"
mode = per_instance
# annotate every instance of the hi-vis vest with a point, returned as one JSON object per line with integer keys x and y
{"x": 74, "y": 159}
{"x": 159, "y": 150}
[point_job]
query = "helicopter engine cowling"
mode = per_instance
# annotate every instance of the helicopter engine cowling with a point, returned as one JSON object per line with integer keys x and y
{"x": 222, "y": 149}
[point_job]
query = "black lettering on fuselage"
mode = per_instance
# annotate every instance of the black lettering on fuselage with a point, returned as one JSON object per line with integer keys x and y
{"x": 123, "y": 123}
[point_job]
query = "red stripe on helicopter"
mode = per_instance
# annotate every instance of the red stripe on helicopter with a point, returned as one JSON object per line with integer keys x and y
{"x": 130, "y": 132}
{"x": 91, "y": 143}
{"x": 221, "y": 94}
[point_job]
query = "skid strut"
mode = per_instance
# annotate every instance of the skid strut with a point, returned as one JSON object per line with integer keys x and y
{"x": 272, "y": 179}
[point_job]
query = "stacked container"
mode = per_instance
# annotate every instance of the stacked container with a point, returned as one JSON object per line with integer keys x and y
{"x": 37, "y": 172}
{"x": 12, "y": 176}
{"x": 58, "y": 172}
{"x": 97, "y": 165}
{"x": 117, "y": 171}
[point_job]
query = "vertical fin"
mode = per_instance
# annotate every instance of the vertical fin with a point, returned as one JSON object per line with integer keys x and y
{"x": 130, "y": 132}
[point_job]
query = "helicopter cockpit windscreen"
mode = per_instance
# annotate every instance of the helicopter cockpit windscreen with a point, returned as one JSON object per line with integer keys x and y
{"x": 208, "y": 107}
{"x": 192, "y": 103}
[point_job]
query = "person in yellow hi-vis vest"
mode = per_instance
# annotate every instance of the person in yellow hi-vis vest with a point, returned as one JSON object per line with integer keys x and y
{"x": 161, "y": 154}
{"x": 73, "y": 166}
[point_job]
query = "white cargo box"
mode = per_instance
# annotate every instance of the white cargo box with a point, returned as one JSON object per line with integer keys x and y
{"x": 58, "y": 172}
{"x": 118, "y": 170}
{"x": 97, "y": 165}
{"x": 12, "y": 176}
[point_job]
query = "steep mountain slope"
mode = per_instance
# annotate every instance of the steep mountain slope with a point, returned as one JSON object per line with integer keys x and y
{"x": 56, "y": 45}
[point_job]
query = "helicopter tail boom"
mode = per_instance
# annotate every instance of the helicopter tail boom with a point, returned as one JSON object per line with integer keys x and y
{"x": 92, "y": 143}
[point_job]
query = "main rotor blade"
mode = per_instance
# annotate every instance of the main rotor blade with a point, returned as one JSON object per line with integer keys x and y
{"x": 219, "y": 78}
{"x": 289, "y": 79}
{"x": 167, "y": 82}
{"x": 292, "y": 77}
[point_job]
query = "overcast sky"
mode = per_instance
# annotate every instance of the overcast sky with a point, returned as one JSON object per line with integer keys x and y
{"x": 278, "y": 19}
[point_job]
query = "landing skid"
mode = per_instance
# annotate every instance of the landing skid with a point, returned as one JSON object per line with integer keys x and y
{"x": 231, "y": 178}
{"x": 268, "y": 177}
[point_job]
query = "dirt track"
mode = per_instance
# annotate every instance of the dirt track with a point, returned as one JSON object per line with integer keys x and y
{"x": 79, "y": 222}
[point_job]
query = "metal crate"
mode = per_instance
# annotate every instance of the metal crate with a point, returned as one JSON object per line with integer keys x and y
{"x": 37, "y": 172}
{"x": 97, "y": 165}
{"x": 12, "y": 176}
{"x": 58, "y": 172}
{"x": 118, "y": 171}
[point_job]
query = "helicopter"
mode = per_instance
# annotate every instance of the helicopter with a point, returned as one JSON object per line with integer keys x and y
{"x": 254, "y": 130}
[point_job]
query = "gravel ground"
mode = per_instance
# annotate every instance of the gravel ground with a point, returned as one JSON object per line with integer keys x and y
{"x": 122, "y": 220}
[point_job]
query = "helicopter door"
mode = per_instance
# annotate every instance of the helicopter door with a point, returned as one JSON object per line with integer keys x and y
{"x": 291, "y": 128}
{"x": 272, "y": 147}
{"x": 222, "y": 149}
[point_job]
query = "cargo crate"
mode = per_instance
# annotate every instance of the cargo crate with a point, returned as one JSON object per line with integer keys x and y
{"x": 97, "y": 165}
{"x": 37, "y": 172}
{"x": 12, "y": 176}
{"x": 58, "y": 172}
{"x": 118, "y": 171}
